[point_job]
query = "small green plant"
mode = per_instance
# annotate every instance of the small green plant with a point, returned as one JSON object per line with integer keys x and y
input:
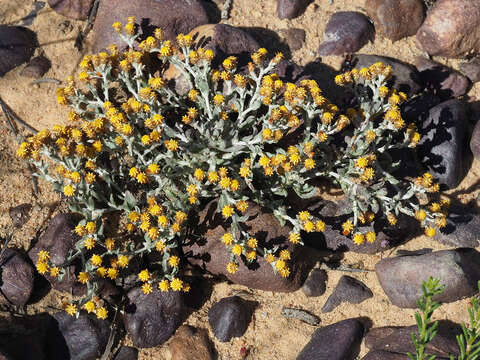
{"x": 468, "y": 340}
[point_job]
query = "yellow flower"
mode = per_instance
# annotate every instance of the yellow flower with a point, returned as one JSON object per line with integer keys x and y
{"x": 304, "y": 216}
{"x": 264, "y": 161}
{"x": 180, "y": 216}
{"x": 224, "y": 182}
{"x": 347, "y": 227}
{"x": 309, "y": 164}
{"x": 90, "y": 177}
{"x": 160, "y": 245}
{"x": 42, "y": 267}
{"x": 237, "y": 249}
{"x": 245, "y": 172}
{"x": 367, "y": 174}
{"x": 227, "y": 211}
{"x": 430, "y": 231}
{"x": 89, "y": 243}
{"x": 267, "y": 134}
{"x": 153, "y": 233}
{"x": 251, "y": 255}
{"x": 102, "y": 313}
{"x": 285, "y": 272}
{"x": 294, "y": 237}
{"x": 227, "y": 239}
{"x": 441, "y": 221}
{"x": 54, "y": 271}
{"x": 144, "y": 275}
{"x": 112, "y": 273}
{"x": 192, "y": 189}
{"x": 96, "y": 260}
{"x": 269, "y": 258}
{"x": 109, "y": 243}
{"x": 162, "y": 221}
{"x": 435, "y": 207}
{"x": 234, "y": 185}
{"x": 212, "y": 177}
{"x": 174, "y": 261}
{"x": 142, "y": 178}
{"x": 319, "y": 226}
{"x": 242, "y": 206}
{"x": 280, "y": 264}
{"x": 164, "y": 285}
{"x": 232, "y": 268}
{"x": 371, "y": 236}
{"x": 199, "y": 174}
{"x": 91, "y": 227}
{"x": 147, "y": 288}
{"x": 309, "y": 226}
{"x": 361, "y": 162}
{"x": 43, "y": 255}
{"x": 155, "y": 210}
{"x": 392, "y": 219}
{"x": 218, "y": 99}
{"x": 285, "y": 255}
{"x": 176, "y": 284}
{"x": 420, "y": 215}
{"x": 83, "y": 277}
{"x": 117, "y": 25}
{"x": 101, "y": 271}
{"x": 71, "y": 309}
{"x": 122, "y": 261}
{"x": 171, "y": 145}
{"x": 89, "y": 306}
{"x": 69, "y": 190}
{"x": 358, "y": 239}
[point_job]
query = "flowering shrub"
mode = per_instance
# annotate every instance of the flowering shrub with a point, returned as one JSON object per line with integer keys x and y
{"x": 141, "y": 150}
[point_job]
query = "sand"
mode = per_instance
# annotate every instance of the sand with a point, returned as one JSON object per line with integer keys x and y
{"x": 269, "y": 336}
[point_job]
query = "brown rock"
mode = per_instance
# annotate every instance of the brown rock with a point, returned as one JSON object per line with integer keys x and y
{"x": 190, "y": 343}
{"x": 74, "y": 9}
{"x": 173, "y": 16}
{"x": 471, "y": 69}
{"x": 451, "y": 29}
{"x": 289, "y": 9}
{"x": 396, "y": 19}
{"x": 475, "y": 141}
{"x": 294, "y": 37}
{"x": 20, "y": 214}
{"x": 16, "y": 277}
{"x": 210, "y": 253}
{"x": 37, "y": 67}
{"x": 17, "y": 45}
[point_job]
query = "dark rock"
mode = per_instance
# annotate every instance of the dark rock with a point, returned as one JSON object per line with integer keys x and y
{"x": 190, "y": 343}
{"x": 475, "y": 141}
{"x": 173, "y": 16}
{"x": 404, "y": 76}
{"x": 451, "y": 29}
{"x": 442, "y": 148}
{"x": 20, "y": 214}
{"x": 384, "y": 355}
{"x": 316, "y": 283}
{"x": 85, "y": 337}
{"x": 294, "y": 37}
{"x": 74, "y": 9}
{"x": 397, "y": 339}
{"x": 401, "y": 277}
{"x": 126, "y": 353}
{"x": 210, "y": 253}
{"x": 471, "y": 69}
{"x": 16, "y": 277}
{"x": 152, "y": 319}
{"x": 229, "y": 318}
{"x": 58, "y": 240}
{"x": 463, "y": 227}
{"x": 348, "y": 289}
{"x": 289, "y": 9}
{"x": 17, "y": 45}
{"x": 447, "y": 82}
{"x": 346, "y": 32}
{"x": 37, "y": 67}
{"x": 338, "y": 341}
{"x": 396, "y": 19}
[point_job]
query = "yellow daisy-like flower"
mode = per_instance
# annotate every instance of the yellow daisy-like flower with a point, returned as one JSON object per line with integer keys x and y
{"x": 109, "y": 244}
{"x": 42, "y": 267}
{"x": 181, "y": 216}
{"x": 264, "y": 161}
{"x": 232, "y": 268}
{"x": 227, "y": 239}
{"x": 370, "y": 135}
{"x": 361, "y": 162}
{"x": 252, "y": 243}
{"x": 153, "y": 169}
{"x": 43, "y": 255}
{"x": 89, "y": 306}
{"x": 192, "y": 189}
{"x": 227, "y": 211}
{"x": 96, "y": 260}
{"x": 155, "y": 210}
{"x": 237, "y": 249}
{"x": 280, "y": 264}
{"x": 285, "y": 272}
{"x": 122, "y": 261}
{"x": 162, "y": 221}
{"x": 199, "y": 174}
{"x": 212, "y": 177}
{"x": 164, "y": 285}
{"x": 174, "y": 261}
{"x": 392, "y": 219}
{"x": 102, "y": 313}
{"x": 294, "y": 237}
{"x": 176, "y": 284}
{"x": 176, "y": 227}
{"x": 267, "y": 134}
{"x": 112, "y": 273}
{"x": 83, "y": 277}
{"x": 304, "y": 216}
{"x": 133, "y": 172}
{"x": 54, "y": 271}
{"x": 269, "y": 258}
{"x": 358, "y": 239}
{"x": 285, "y": 255}
{"x": 101, "y": 272}
{"x": 430, "y": 231}
{"x": 371, "y": 236}
{"x": 69, "y": 190}
{"x": 367, "y": 174}
{"x": 171, "y": 145}
{"x": 319, "y": 226}
{"x": 225, "y": 182}
{"x": 142, "y": 178}
{"x": 91, "y": 227}
{"x": 420, "y": 215}
{"x": 309, "y": 164}
{"x": 251, "y": 255}
{"x": 242, "y": 206}
{"x": 160, "y": 245}
{"x": 309, "y": 226}
{"x": 153, "y": 232}
{"x": 71, "y": 309}
{"x": 89, "y": 243}
{"x": 144, "y": 275}
{"x": 147, "y": 288}
{"x": 347, "y": 227}
{"x": 218, "y": 99}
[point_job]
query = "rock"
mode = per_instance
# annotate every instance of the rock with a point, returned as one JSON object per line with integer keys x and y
{"x": 338, "y": 341}
{"x": 16, "y": 277}
{"x": 210, "y": 253}
{"x": 471, "y": 69}
{"x": 229, "y": 318}
{"x": 475, "y": 141}
{"x": 294, "y": 37}
{"x": 74, "y": 9}
{"x": 442, "y": 148}
{"x": 37, "y": 67}
{"x": 85, "y": 337}
{"x": 58, "y": 240}
{"x": 451, "y": 29}
{"x": 401, "y": 277}
{"x": 463, "y": 227}
{"x": 20, "y": 214}
{"x": 404, "y": 76}
{"x": 126, "y": 353}
{"x": 447, "y": 82}
{"x": 17, "y": 45}
{"x": 190, "y": 343}
{"x": 349, "y": 290}
{"x": 346, "y": 32}
{"x": 173, "y": 16}
{"x": 385, "y": 355}
{"x": 289, "y": 9}
{"x": 396, "y": 19}
{"x": 152, "y": 319}
{"x": 316, "y": 283}
{"x": 397, "y": 339}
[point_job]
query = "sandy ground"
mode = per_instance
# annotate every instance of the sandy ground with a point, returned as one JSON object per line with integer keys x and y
{"x": 269, "y": 336}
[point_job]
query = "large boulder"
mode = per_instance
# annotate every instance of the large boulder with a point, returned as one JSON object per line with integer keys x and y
{"x": 16, "y": 277}
{"x": 17, "y": 45}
